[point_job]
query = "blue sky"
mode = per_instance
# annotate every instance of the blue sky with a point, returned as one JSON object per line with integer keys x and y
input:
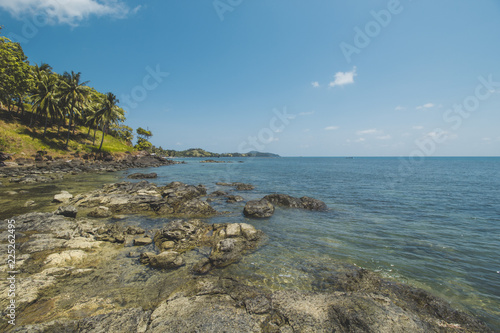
{"x": 297, "y": 78}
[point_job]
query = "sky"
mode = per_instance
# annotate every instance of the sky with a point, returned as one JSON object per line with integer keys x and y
{"x": 297, "y": 78}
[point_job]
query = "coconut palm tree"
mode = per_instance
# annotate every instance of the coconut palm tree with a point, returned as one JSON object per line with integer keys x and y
{"x": 73, "y": 94}
{"x": 46, "y": 98}
{"x": 110, "y": 113}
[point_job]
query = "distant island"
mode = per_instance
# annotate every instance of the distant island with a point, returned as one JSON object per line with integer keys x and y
{"x": 198, "y": 152}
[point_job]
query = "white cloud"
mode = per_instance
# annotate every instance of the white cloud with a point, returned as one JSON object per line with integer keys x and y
{"x": 418, "y": 127}
{"x": 304, "y": 146}
{"x": 384, "y": 137}
{"x": 360, "y": 140}
{"x": 399, "y": 108}
{"x": 343, "y": 78}
{"x": 315, "y": 84}
{"x": 305, "y": 130}
{"x": 425, "y": 106}
{"x": 369, "y": 131}
{"x": 178, "y": 143}
{"x": 331, "y": 128}
{"x": 306, "y": 113}
{"x": 67, "y": 11}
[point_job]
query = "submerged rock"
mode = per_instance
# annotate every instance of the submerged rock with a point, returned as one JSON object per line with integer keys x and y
{"x": 238, "y": 186}
{"x": 143, "y": 175}
{"x": 258, "y": 209}
{"x": 234, "y": 198}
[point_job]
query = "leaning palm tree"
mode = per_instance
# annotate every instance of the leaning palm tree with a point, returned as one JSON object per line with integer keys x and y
{"x": 73, "y": 93}
{"x": 110, "y": 113}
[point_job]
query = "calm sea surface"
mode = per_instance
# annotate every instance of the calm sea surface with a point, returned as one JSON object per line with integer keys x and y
{"x": 434, "y": 223}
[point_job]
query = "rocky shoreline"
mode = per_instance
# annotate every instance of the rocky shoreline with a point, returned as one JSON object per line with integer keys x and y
{"x": 83, "y": 270}
{"x": 43, "y": 168}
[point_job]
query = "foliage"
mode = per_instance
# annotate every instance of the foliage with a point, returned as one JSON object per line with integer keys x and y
{"x": 122, "y": 132}
{"x": 54, "y": 99}
{"x": 143, "y": 144}
{"x": 15, "y": 74}
{"x": 142, "y": 133}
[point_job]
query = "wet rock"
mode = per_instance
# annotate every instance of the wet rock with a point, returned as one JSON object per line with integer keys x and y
{"x": 143, "y": 175}
{"x": 100, "y": 212}
{"x": 111, "y": 233}
{"x": 258, "y": 209}
{"x": 62, "y": 197}
{"x": 142, "y": 241}
{"x": 239, "y": 186}
{"x": 234, "y": 198}
{"x": 133, "y": 230}
{"x": 284, "y": 200}
{"x": 68, "y": 211}
{"x": 218, "y": 194}
{"x": 244, "y": 187}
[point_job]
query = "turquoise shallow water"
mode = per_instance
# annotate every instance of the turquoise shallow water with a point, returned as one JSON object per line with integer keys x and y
{"x": 433, "y": 223}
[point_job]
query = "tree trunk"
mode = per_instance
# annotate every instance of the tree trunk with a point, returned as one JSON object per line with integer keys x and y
{"x": 69, "y": 127}
{"x": 45, "y": 129}
{"x": 102, "y": 140}
{"x": 95, "y": 130}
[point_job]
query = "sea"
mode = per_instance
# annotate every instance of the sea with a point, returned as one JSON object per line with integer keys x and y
{"x": 433, "y": 223}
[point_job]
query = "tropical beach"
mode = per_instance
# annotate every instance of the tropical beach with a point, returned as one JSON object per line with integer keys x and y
{"x": 249, "y": 167}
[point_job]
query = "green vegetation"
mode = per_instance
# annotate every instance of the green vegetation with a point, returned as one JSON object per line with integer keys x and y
{"x": 39, "y": 101}
{"x": 143, "y": 139}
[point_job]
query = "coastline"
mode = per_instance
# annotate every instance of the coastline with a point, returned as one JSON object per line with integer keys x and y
{"x": 347, "y": 294}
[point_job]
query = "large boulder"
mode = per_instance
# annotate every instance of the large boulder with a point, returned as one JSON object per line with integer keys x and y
{"x": 175, "y": 199}
{"x": 258, "y": 209}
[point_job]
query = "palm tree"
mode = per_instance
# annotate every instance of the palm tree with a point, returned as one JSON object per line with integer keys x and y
{"x": 73, "y": 94}
{"x": 110, "y": 113}
{"x": 45, "y": 99}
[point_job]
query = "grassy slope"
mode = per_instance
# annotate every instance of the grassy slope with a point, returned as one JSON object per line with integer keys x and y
{"x": 17, "y": 138}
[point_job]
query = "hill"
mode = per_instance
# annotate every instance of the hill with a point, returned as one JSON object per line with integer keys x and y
{"x": 17, "y": 138}
{"x": 198, "y": 152}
